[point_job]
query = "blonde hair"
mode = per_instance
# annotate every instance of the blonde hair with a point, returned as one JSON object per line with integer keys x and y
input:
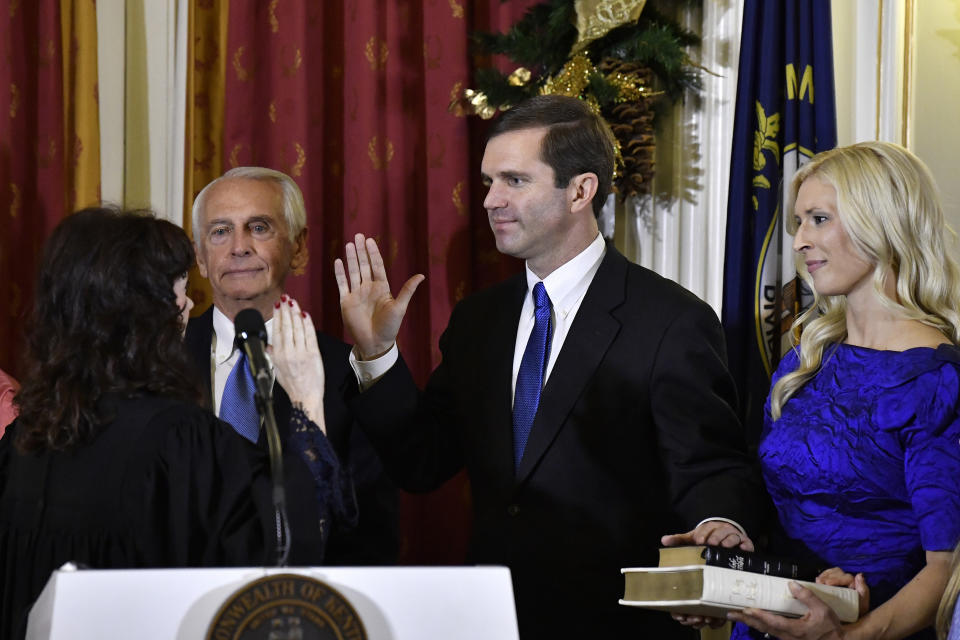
{"x": 889, "y": 206}
{"x": 949, "y": 600}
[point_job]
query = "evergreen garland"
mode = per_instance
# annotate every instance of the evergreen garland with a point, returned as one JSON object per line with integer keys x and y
{"x": 629, "y": 75}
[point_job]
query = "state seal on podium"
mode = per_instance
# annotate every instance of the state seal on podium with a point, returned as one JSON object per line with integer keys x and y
{"x": 286, "y": 606}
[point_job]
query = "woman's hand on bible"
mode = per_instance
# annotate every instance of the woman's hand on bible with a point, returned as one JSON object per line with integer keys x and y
{"x": 296, "y": 358}
{"x": 818, "y": 623}
{"x": 839, "y": 578}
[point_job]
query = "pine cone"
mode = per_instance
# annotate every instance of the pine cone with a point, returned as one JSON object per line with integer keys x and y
{"x": 632, "y": 124}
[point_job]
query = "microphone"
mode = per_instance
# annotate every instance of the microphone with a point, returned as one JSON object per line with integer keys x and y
{"x": 251, "y": 336}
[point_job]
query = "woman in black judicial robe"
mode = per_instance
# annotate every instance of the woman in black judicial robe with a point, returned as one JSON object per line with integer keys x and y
{"x": 111, "y": 463}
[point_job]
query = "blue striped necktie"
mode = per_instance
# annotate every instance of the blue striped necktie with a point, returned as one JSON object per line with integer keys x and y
{"x": 526, "y": 397}
{"x": 238, "y": 405}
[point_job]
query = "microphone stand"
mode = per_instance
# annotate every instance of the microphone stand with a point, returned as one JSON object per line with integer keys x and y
{"x": 264, "y": 402}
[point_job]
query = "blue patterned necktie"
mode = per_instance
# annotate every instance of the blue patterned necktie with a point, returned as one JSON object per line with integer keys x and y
{"x": 238, "y": 405}
{"x": 526, "y": 397}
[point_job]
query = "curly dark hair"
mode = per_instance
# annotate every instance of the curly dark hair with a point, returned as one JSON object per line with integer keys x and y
{"x": 105, "y": 320}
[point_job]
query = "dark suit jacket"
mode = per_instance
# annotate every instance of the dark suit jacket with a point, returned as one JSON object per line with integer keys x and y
{"x": 636, "y": 436}
{"x": 375, "y": 539}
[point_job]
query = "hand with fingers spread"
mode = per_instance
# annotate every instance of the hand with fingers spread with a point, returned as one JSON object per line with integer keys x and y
{"x": 712, "y": 532}
{"x": 370, "y": 312}
{"x": 296, "y": 359}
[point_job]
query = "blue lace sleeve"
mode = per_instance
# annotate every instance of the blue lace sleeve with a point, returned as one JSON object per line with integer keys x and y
{"x": 334, "y": 489}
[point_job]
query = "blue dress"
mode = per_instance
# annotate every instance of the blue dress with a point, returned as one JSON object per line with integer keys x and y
{"x": 863, "y": 465}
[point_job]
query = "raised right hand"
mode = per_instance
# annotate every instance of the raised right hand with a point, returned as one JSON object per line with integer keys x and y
{"x": 370, "y": 312}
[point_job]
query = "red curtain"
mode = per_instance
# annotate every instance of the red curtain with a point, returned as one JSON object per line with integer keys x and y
{"x": 31, "y": 174}
{"x": 350, "y": 98}
{"x": 49, "y": 142}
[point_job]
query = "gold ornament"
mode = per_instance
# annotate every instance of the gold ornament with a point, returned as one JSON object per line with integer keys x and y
{"x": 519, "y": 77}
{"x": 595, "y": 18}
{"x": 572, "y": 79}
{"x": 473, "y": 103}
{"x": 631, "y": 87}
{"x": 617, "y": 159}
{"x": 591, "y": 101}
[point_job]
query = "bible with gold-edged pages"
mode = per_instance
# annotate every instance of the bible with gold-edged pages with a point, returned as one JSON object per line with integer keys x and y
{"x": 712, "y": 591}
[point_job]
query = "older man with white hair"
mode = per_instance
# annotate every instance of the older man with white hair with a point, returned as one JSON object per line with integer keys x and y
{"x": 249, "y": 228}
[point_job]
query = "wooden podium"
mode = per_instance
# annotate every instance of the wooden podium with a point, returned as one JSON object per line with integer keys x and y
{"x": 401, "y": 603}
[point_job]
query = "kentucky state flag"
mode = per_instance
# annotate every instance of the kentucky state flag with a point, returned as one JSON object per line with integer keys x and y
{"x": 785, "y": 114}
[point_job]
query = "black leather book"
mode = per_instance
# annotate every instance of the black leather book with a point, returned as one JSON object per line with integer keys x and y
{"x": 734, "y": 558}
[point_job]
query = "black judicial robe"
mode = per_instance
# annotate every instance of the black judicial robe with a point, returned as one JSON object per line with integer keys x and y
{"x": 165, "y": 484}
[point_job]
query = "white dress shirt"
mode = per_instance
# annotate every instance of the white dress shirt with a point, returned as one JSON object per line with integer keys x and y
{"x": 224, "y": 355}
{"x": 566, "y": 287}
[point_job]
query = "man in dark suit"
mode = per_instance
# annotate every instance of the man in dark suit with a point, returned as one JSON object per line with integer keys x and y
{"x": 250, "y": 232}
{"x": 582, "y": 450}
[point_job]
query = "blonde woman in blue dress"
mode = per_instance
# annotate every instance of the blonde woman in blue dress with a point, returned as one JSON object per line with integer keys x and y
{"x": 861, "y": 445}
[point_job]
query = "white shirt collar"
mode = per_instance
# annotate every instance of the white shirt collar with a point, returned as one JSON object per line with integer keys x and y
{"x": 224, "y": 333}
{"x": 562, "y": 283}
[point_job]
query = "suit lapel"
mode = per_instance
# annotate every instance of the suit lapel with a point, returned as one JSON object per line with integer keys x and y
{"x": 499, "y": 406}
{"x": 593, "y": 331}
{"x": 198, "y": 340}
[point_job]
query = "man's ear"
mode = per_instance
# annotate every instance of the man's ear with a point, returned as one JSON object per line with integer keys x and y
{"x": 298, "y": 263}
{"x": 201, "y": 261}
{"x": 582, "y": 188}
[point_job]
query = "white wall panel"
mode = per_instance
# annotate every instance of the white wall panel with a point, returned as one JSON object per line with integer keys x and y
{"x": 679, "y": 231}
